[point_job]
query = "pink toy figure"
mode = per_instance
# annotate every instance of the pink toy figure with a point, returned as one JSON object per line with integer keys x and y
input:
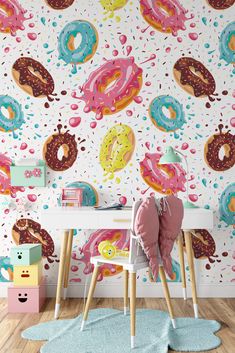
{"x": 72, "y": 196}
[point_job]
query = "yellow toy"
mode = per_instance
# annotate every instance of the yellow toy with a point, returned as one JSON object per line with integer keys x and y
{"x": 108, "y": 251}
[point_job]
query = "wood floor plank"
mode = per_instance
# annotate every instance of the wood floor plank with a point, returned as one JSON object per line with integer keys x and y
{"x": 11, "y": 325}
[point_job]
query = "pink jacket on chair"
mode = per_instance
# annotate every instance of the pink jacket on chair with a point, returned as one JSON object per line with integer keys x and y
{"x": 171, "y": 212}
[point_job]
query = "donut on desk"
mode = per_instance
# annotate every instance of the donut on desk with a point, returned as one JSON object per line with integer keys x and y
{"x": 117, "y": 148}
{"x": 16, "y": 116}
{"x": 167, "y": 16}
{"x": 32, "y": 77}
{"x": 85, "y": 50}
{"x": 227, "y": 43}
{"x": 227, "y": 205}
{"x": 212, "y": 149}
{"x": 221, "y": 4}
{"x": 160, "y": 120}
{"x": 27, "y": 231}
{"x": 59, "y": 4}
{"x": 164, "y": 178}
{"x": 89, "y": 193}
{"x": 194, "y": 77}
{"x": 12, "y": 16}
{"x": 104, "y": 99}
{"x": 52, "y": 146}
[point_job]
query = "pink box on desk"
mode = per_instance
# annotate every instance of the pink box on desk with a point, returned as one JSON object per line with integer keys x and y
{"x": 26, "y": 299}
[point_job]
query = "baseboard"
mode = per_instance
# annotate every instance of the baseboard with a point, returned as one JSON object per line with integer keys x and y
{"x": 143, "y": 291}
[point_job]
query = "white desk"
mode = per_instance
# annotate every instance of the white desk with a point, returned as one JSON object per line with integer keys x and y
{"x": 69, "y": 218}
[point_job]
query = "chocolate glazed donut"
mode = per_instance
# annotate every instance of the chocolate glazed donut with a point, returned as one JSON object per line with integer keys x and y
{"x": 60, "y": 4}
{"x": 221, "y": 4}
{"x": 27, "y": 231}
{"x": 32, "y": 77}
{"x": 213, "y": 147}
{"x": 194, "y": 77}
{"x": 203, "y": 244}
{"x": 52, "y": 146}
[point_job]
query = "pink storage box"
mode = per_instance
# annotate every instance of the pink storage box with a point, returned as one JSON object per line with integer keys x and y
{"x": 26, "y": 299}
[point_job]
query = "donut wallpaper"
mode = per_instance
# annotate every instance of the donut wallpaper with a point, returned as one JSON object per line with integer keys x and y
{"x": 98, "y": 89}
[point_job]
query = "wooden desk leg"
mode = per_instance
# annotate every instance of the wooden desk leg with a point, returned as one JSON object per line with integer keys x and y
{"x": 67, "y": 262}
{"x": 182, "y": 266}
{"x": 61, "y": 271}
{"x": 189, "y": 250}
{"x": 167, "y": 294}
{"x": 90, "y": 295}
{"x": 133, "y": 307}
{"x": 126, "y": 275}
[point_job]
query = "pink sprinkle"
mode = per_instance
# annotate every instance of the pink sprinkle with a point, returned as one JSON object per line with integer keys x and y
{"x": 193, "y": 36}
{"x": 123, "y": 200}
{"x": 115, "y": 52}
{"x": 168, "y": 49}
{"x": 32, "y": 197}
{"x": 233, "y": 107}
{"x": 232, "y": 122}
{"x": 93, "y": 124}
{"x": 75, "y": 121}
{"x": 138, "y": 99}
{"x": 6, "y": 211}
{"x": 18, "y": 39}
{"x": 184, "y": 146}
{"x": 192, "y": 25}
{"x": 106, "y": 45}
{"x": 193, "y": 186}
{"x": 193, "y": 197}
{"x": 23, "y": 146}
{"x": 233, "y": 268}
{"x": 31, "y": 151}
{"x": 129, "y": 113}
{"x": 74, "y": 106}
{"x": 147, "y": 144}
{"x": 159, "y": 148}
{"x": 193, "y": 151}
{"x": 31, "y": 25}
{"x": 32, "y": 36}
{"x": 78, "y": 280}
{"x": 128, "y": 49}
{"x": 152, "y": 33}
{"x": 6, "y": 50}
{"x": 123, "y": 39}
{"x": 74, "y": 268}
{"x": 179, "y": 39}
{"x": 148, "y": 83}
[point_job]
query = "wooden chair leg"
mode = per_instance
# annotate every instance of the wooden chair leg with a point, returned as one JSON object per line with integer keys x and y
{"x": 67, "y": 262}
{"x": 189, "y": 250}
{"x": 61, "y": 271}
{"x": 167, "y": 294}
{"x": 126, "y": 275}
{"x": 90, "y": 295}
{"x": 182, "y": 266}
{"x": 133, "y": 307}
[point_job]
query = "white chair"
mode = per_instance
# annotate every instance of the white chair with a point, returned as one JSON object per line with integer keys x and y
{"x": 136, "y": 261}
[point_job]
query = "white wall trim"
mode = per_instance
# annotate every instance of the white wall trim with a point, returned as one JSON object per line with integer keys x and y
{"x": 147, "y": 290}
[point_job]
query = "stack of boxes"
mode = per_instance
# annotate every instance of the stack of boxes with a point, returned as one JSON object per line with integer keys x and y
{"x": 27, "y": 294}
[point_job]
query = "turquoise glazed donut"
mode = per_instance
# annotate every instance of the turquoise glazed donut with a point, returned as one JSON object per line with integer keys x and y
{"x": 90, "y": 196}
{"x": 6, "y": 265}
{"x": 227, "y": 43}
{"x": 87, "y": 47}
{"x": 160, "y": 120}
{"x": 227, "y": 205}
{"x": 16, "y": 117}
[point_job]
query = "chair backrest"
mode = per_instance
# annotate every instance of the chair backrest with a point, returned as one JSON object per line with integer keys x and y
{"x": 136, "y": 253}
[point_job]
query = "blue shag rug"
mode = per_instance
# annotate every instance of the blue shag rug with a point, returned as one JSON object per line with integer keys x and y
{"x": 108, "y": 330}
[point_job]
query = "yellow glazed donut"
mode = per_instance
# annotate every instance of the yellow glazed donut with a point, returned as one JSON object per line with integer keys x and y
{"x": 117, "y": 148}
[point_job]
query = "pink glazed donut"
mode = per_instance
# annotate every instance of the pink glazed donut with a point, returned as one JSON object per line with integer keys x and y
{"x": 104, "y": 99}
{"x": 167, "y": 16}
{"x": 166, "y": 178}
{"x": 12, "y": 17}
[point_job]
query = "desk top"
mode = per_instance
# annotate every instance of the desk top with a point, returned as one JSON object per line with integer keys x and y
{"x": 89, "y": 218}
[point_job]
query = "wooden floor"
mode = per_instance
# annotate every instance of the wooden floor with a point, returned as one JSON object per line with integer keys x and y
{"x": 11, "y": 325}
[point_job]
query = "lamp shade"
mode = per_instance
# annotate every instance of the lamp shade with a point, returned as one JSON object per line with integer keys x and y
{"x": 170, "y": 156}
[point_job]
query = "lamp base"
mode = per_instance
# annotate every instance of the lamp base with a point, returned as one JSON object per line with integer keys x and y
{"x": 188, "y": 204}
